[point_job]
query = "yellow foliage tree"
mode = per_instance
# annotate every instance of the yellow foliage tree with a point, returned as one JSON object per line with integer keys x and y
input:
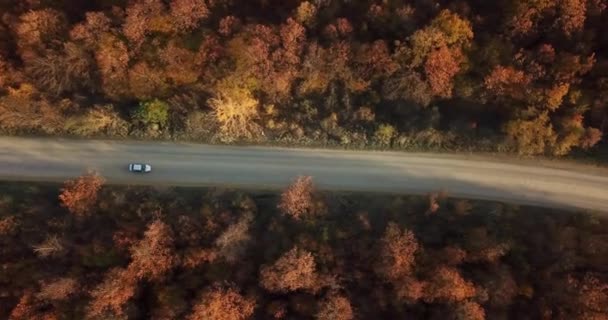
{"x": 531, "y": 136}
{"x": 98, "y": 120}
{"x": 23, "y": 109}
{"x": 456, "y": 30}
{"x": 236, "y": 110}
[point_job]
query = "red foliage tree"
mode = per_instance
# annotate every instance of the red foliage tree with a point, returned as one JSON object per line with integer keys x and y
{"x": 297, "y": 200}
{"x": 374, "y": 61}
{"x": 228, "y": 25}
{"x": 590, "y": 138}
{"x": 209, "y": 51}
{"x": 294, "y": 270}
{"x": 293, "y": 37}
{"x": 80, "y": 195}
{"x": 330, "y": 31}
{"x": 223, "y": 304}
{"x": 343, "y": 26}
{"x": 153, "y": 256}
{"x": 507, "y": 81}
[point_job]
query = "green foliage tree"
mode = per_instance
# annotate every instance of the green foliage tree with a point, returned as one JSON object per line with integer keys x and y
{"x": 154, "y": 112}
{"x": 384, "y": 134}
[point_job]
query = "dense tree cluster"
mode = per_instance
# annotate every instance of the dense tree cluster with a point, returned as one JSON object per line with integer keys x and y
{"x": 519, "y": 76}
{"x": 188, "y": 253}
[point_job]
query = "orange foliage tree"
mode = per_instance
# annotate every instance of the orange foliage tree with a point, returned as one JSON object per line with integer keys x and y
{"x": 297, "y": 200}
{"x": 294, "y": 270}
{"x": 187, "y": 14}
{"x": 89, "y": 31}
{"x": 36, "y": 29}
{"x": 153, "y": 256}
{"x": 335, "y": 307}
{"x": 470, "y": 310}
{"x": 397, "y": 253}
{"x": 8, "y": 226}
{"x": 409, "y": 289}
{"x": 110, "y": 296}
{"x": 139, "y": 20}
{"x": 232, "y": 243}
{"x": 180, "y": 64}
{"x": 440, "y": 69}
{"x": 586, "y": 297}
{"x": 112, "y": 58}
{"x": 58, "y": 289}
{"x": 223, "y": 304}
{"x": 29, "y": 307}
{"x": 293, "y": 36}
{"x": 447, "y": 285}
{"x": 80, "y": 195}
{"x": 147, "y": 82}
{"x": 571, "y": 17}
{"x": 526, "y": 15}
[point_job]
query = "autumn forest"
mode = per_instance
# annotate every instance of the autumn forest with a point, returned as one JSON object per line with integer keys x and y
{"x": 88, "y": 250}
{"x": 517, "y": 76}
{"x": 525, "y": 77}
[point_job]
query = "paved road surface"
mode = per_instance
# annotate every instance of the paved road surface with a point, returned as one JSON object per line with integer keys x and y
{"x": 192, "y": 164}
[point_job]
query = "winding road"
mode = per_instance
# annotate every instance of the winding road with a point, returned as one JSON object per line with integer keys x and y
{"x": 567, "y": 186}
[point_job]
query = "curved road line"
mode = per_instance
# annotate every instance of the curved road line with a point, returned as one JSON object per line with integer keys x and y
{"x": 572, "y": 186}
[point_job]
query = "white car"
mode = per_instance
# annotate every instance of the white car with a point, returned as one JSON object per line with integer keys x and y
{"x": 140, "y": 167}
